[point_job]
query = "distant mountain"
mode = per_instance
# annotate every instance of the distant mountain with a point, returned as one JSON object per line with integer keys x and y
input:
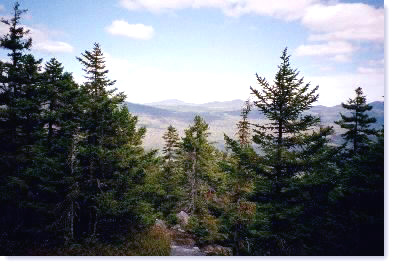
{"x": 221, "y": 117}
{"x": 178, "y": 105}
{"x": 170, "y": 102}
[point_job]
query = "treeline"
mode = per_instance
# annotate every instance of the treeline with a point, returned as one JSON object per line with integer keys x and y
{"x": 74, "y": 173}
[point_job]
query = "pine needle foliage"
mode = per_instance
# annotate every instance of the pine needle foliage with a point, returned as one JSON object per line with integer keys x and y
{"x": 357, "y": 124}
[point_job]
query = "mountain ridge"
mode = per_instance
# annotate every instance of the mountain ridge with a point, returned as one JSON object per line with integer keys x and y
{"x": 222, "y": 118}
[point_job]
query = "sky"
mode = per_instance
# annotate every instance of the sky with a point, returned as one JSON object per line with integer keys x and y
{"x": 210, "y": 50}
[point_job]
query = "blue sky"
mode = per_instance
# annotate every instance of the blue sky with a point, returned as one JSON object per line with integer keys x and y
{"x": 206, "y": 50}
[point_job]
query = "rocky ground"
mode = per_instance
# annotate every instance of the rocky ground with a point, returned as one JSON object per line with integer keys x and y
{"x": 183, "y": 244}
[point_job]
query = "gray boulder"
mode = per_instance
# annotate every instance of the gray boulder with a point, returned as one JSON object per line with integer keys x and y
{"x": 183, "y": 218}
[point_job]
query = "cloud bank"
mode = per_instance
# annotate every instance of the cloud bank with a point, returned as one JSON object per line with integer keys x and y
{"x": 333, "y": 26}
{"x": 44, "y": 40}
{"x": 134, "y": 31}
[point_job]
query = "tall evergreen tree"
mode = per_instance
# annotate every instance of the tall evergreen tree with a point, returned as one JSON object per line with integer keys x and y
{"x": 198, "y": 159}
{"x": 16, "y": 43}
{"x": 172, "y": 145}
{"x": 244, "y": 126}
{"x": 358, "y": 212}
{"x": 288, "y": 148}
{"x": 113, "y": 162}
{"x": 239, "y": 210}
{"x": 56, "y": 161}
{"x": 20, "y": 130}
{"x": 203, "y": 180}
{"x": 96, "y": 126}
{"x": 358, "y": 123}
{"x": 171, "y": 169}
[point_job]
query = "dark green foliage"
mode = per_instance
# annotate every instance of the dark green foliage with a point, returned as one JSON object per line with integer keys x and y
{"x": 287, "y": 142}
{"x": 239, "y": 213}
{"x": 113, "y": 163}
{"x": 172, "y": 180}
{"x": 239, "y": 166}
{"x": 198, "y": 165}
{"x": 203, "y": 181}
{"x": 20, "y": 130}
{"x": 358, "y": 124}
{"x": 244, "y": 126}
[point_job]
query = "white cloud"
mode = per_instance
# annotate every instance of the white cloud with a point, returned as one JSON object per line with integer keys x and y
{"x": 52, "y": 46}
{"x": 134, "y": 31}
{"x": 339, "y": 48}
{"x": 341, "y": 58}
{"x": 285, "y": 9}
{"x": 349, "y": 21}
{"x": 43, "y": 39}
{"x": 331, "y": 22}
{"x": 370, "y": 70}
{"x": 2, "y": 8}
{"x": 338, "y": 26}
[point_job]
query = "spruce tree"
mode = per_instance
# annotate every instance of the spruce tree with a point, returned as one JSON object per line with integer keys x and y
{"x": 171, "y": 169}
{"x": 357, "y": 124}
{"x": 358, "y": 212}
{"x": 96, "y": 124}
{"x": 20, "y": 130}
{"x": 239, "y": 211}
{"x": 244, "y": 126}
{"x": 113, "y": 163}
{"x": 288, "y": 143}
{"x": 172, "y": 145}
{"x": 203, "y": 179}
{"x": 16, "y": 43}
{"x": 197, "y": 152}
{"x": 56, "y": 161}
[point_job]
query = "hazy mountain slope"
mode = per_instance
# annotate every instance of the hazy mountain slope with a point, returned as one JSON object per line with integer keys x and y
{"x": 222, "y": 118}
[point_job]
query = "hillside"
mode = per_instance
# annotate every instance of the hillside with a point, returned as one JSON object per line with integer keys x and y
{"x": 221, "y": 116}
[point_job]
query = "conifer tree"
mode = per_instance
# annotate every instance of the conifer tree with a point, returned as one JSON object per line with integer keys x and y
{"x": 239, "y": 211}
{"x": 288, "y": 148}
{"x": 112, "y": 160}
{"x": 171, "y": 169}
{"x": 358, "y": 212}
{"x": 198, "y": 152}
{"x": 16, "y": 43}
{"x": 244, "y": 126}
{"x": 96, "y": 125}
{"x": 20, "y": 130}
{"x": 56, "y": 161}
{"x": 172, "y": 145}
{"x": 240, "y": 165}
{"x": 203, "y": 179}
{"x": 358, "y": 123}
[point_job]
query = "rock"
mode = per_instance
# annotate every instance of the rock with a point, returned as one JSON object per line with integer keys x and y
{"x": 186, "y": 251}
{"x": 183, "y": 218}
{"x": 217, "y": 250}
{"x": 178, "y": 228}
{"x": 160, "y": 223}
